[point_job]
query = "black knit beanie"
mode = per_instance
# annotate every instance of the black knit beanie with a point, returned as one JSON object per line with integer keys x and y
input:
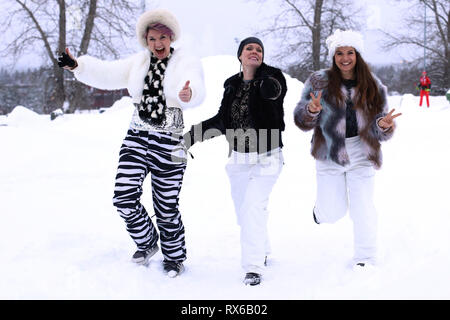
{"x": 247, "y": 41}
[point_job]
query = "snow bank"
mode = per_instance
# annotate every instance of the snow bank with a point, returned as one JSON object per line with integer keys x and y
{"x": 21, "y": 116}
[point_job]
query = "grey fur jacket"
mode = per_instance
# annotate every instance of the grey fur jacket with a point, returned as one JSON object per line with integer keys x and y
{"x": 328, "y": 141}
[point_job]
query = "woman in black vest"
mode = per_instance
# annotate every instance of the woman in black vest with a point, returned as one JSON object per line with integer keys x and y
{"x": 251, "y": 117}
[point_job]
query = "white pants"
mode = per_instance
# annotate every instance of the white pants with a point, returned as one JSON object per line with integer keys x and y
{"x": 252, "y": 178}
{"x": 352, "y": 187}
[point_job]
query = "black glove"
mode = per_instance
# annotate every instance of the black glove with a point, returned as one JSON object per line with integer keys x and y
{"x": 270, "y": 88}
{"x": 65, "y": 60}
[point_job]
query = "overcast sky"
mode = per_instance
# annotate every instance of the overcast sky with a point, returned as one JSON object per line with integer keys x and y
{"x": 212, "y": 27}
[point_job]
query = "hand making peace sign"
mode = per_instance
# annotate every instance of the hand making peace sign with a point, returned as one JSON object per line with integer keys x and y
{"x": 387, "y": 121}
{"x": 314, "y": 106}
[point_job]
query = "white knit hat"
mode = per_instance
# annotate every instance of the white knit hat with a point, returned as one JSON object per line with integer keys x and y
{"x": 347, "y": 38}
{"x": 154, "y": 16}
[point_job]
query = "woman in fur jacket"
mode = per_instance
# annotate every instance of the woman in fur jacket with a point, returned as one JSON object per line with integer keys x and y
{"x": 251, "y": 116}
{"x": 346, "y": 106}
{"x": 161, "y": 81}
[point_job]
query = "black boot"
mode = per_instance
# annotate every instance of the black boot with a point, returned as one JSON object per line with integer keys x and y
{"x": 252, "y": 278}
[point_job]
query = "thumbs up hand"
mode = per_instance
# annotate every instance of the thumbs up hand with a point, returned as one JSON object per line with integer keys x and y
{"x": 185, "y": 94}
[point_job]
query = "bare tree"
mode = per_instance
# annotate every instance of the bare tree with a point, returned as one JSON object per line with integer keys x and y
{"x": 46, "y": 27}
{"x": 437, "y": 39}
{"x": 301, "y": 28}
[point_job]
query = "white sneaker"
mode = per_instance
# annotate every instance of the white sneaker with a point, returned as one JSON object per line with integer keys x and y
{"x": 364, "y": 267}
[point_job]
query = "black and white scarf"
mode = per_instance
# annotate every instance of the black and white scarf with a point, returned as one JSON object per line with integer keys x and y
{"x": 152, "y": 108}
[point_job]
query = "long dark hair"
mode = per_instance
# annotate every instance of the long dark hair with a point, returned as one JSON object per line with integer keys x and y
{"x": 367, "y": 96}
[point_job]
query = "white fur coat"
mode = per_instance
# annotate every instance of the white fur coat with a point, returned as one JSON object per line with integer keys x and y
{"x": 130, "y": 73}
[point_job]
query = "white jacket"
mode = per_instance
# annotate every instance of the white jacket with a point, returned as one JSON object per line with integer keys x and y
{"x": 130, "y": 73}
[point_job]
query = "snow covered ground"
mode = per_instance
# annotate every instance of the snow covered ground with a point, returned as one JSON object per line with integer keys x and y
{"x": 61, "y": 238}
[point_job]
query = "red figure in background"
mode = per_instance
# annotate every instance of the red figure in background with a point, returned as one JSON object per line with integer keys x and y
{"x": 425, "y": 87}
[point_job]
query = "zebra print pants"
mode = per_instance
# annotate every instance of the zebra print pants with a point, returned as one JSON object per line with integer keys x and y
{"x": 164, "y": 157}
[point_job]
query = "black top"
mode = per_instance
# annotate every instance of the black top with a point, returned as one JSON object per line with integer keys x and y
{"x": 256, "y": 113}
{"x": 351, "y": 126}
{"x": 240, "y": 119}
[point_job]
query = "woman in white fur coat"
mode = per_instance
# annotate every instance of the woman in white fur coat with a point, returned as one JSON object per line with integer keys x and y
{"x": 162, "y": 82}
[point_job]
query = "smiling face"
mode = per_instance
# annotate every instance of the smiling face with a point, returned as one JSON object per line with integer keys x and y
{"x": 158, "y": 43}
{"x": 252, "y": 55}
{"x": 345, "y": 58}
